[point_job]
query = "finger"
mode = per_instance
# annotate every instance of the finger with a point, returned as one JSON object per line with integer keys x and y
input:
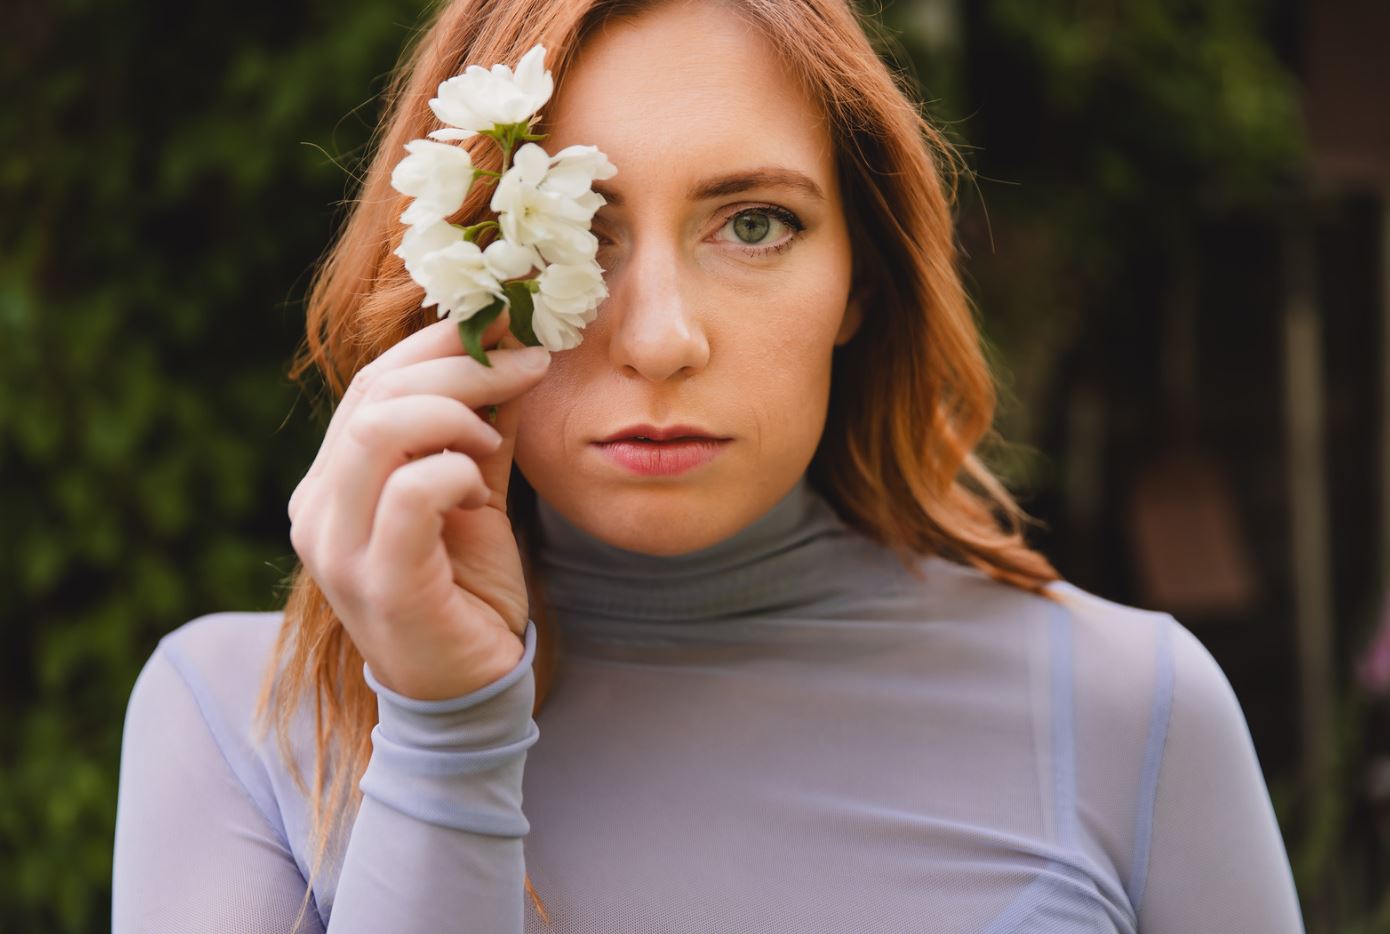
{"x": 387, "y": 432}
{"x": 460, "y": 378}
{"x": 440, "y": 339}
{"x": 410, "y": 517}
{"x": 497, "y": 466}
{"x": 384, "y": 436}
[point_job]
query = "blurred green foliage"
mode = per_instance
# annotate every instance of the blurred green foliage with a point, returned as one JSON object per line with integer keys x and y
{"x": 1100, "y": 136}
{"x": 168, "y": 176}
{"x": 165, "y": 192}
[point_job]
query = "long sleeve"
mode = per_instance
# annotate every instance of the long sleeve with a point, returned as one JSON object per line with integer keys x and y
{"x": 1217, "y": 860}
{"x": 435, "y": 845}
{"x": 194, "y": 850}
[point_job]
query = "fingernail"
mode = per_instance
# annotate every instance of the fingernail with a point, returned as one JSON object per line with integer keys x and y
{"x": 533, "y": 358}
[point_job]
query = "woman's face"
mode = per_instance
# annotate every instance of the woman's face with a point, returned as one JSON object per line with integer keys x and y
{"x": 728, "y": 279}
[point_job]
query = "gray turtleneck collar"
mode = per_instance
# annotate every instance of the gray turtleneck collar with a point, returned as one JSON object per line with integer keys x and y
{"x": 787, "y": 560}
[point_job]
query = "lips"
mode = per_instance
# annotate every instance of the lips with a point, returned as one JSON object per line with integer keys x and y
{"x": 652, "y": 433}
{"x": 662, "y": 458}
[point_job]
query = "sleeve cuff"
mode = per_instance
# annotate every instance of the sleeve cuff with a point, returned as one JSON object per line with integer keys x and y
{"x": 456, "y": 762}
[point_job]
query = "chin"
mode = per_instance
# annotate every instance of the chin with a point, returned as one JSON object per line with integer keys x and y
{"x": 663, "y": 522}
{"x": 658, "y": 519}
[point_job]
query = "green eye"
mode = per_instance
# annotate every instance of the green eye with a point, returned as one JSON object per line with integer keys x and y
{"x": 751, "y": 226}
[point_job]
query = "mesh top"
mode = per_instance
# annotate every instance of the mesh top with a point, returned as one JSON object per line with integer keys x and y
{"x": 784, "y": 732}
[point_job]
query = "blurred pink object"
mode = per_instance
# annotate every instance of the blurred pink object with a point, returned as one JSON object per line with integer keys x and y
{"x": 1373, "y": 669}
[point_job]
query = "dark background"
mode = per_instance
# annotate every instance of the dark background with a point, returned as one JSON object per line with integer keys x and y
{"x": 1176, "y": 241}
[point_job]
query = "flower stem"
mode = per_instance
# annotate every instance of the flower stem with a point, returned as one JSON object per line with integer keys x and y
{"x": 507, "y": 141}
{"x": 470, "y": 233}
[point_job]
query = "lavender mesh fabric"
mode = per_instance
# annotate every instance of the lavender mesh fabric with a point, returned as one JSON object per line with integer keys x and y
{"x": 784, "y": 732}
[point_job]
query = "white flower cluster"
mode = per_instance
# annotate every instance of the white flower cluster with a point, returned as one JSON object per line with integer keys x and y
{"x": 544, "y": 206}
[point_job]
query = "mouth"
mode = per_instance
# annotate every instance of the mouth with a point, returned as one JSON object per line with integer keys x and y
{"x": 650, "y": 434}
{"x": 655, "y": 457}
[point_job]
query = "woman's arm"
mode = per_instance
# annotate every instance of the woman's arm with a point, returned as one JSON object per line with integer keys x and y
{"x": 1217, "y": 860}
{"x": 436, "y": 843}
{"x": 193, "y": 849}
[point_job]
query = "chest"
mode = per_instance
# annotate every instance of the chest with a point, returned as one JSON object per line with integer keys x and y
{"x": 698, "y": 801}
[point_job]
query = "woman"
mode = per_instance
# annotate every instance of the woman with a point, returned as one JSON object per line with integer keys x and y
{"x": 792, "y": 677}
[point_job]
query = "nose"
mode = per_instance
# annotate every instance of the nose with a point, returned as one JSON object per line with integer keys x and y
{"x": 656, "y": 329}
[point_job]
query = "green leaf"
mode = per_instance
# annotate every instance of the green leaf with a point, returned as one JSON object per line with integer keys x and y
{"x": 472, "y": 330}
{"x": 519, "y": 295}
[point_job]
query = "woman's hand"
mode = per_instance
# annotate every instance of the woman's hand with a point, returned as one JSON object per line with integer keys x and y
{"x": 402, "y": 518}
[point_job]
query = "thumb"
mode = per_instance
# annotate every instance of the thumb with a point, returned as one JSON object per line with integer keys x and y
{"x": 496, "y": 468}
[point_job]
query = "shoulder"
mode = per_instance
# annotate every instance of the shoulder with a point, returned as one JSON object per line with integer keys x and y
{"x": 1105, "y": 659}
{"x": 221, "y": 658}
{"x": 1118, "y": 636}
{"x": 1126, "y": 635}
{"x": 1144, "y": 679}
{"x": 215, "y": 662}
{"x": 220, "y": 650}
{"x": 1119, "y": 663}
{"x": 1185, "y": 675}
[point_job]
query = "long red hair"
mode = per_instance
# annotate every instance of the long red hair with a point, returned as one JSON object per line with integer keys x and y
{"x": 912, "y": 395}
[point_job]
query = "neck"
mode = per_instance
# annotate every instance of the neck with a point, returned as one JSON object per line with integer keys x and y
{"x": 782, "y": 561}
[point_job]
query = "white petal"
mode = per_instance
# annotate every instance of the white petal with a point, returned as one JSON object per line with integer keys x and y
{"x": 553, "y": 333}
{"x": 476, "y": 99}
{"x": 569, "y": 280}
{"x": 452, "y": 110}
{"x": 508, "y": 260}
{"x": 451, "y": 133}
{"x": 568, "y": 179}
{"x": 566, "y": 210}
{"x": 568, "y": 244}
{"x": 508, "y": 194}
{"x": 531, "y": 163}
{"x": 513, "y": 105}
{"x": 423, "y": 239}
{"x": 458, "y": 278}
{"x": 437, "y": 175}
{"x": 422, "y": 212}
{"x": 533, "y": 78}
{"x": 589, "y": 202}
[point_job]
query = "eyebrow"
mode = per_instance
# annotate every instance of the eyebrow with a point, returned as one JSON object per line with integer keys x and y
{"x": 735, "y": 182}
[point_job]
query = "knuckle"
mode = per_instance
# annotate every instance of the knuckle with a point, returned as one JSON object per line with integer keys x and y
{"x": 469, "y": 468}
{"x": 385, "y": 385}
{"x": 466, "y": 474}
{"x": 297, "y": 498}
{"x": 305, "y": 545}
{"x": 369, "y": 425}
{"x": 334, "y": 578}
{"x": 299, "y": 539}
{"x": 410, "y": 489}
{"x": 363, "y": 379}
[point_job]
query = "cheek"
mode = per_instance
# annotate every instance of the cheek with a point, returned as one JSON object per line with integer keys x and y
{"x": 794, "y": 305}
{"x": 790, "y": 320}
{"x": 785, "y": 340}
{"x": 540, "y": 414}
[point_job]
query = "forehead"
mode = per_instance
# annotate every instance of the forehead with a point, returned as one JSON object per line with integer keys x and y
{"x": 687, "y": 84}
